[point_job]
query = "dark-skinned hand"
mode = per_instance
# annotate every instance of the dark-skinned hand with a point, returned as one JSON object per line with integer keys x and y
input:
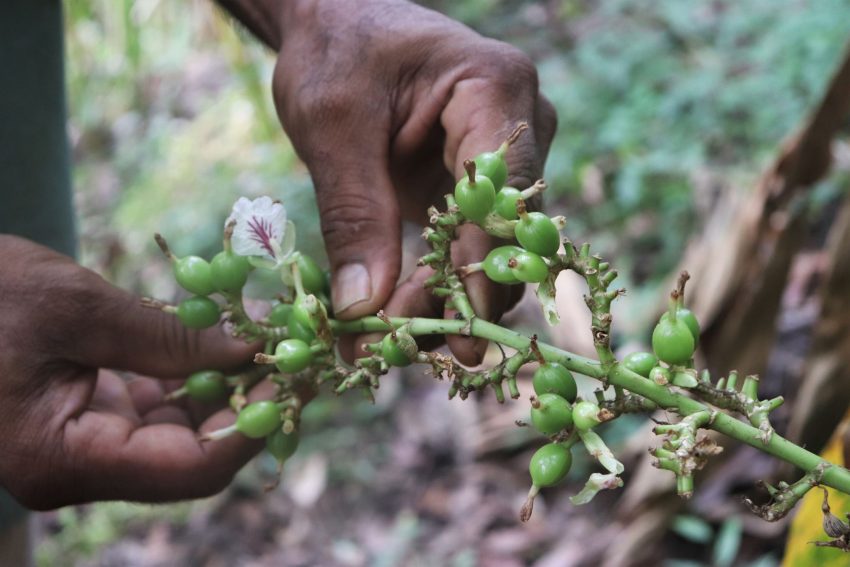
{"x": 384, "y": 100}
{"x": 72, "y": 429}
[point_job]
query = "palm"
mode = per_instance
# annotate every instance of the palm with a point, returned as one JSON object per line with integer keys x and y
{"x": 107, "y": 423}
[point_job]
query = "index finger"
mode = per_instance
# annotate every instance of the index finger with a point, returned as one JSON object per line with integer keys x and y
{"x": 483, "y": 111}
{"x": 488, "y": 104}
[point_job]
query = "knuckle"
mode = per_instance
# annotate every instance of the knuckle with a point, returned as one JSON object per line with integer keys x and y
{"x": 80, "y": 289}
{"x": 351, "y": 217}
{"x": 509, "y": 66}
{"x": 74, "y": 297}
{"x": 322, "y": 105}
{"x": 521, "y": 66}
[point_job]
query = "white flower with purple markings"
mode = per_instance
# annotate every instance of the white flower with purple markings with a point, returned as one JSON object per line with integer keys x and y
{"x": 262, "y": 232}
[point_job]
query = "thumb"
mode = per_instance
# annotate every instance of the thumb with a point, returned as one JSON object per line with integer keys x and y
{"x": 361, "y": 225}
{"x": 114, "y": 331}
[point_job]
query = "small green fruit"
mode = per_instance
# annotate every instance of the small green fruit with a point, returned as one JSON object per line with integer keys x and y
{"x": 307, "y": 310}
{"x": 282, "y": 445}
{"x": 552, "y": 415}
{"x": 660, "y": 375}
{"x": 496, "y": 264}
{"x": 258, "y": 419}
{"x": 206, "y": 386}
{"x": 292, "y": 355}
{"x": 475, "y": 195}
{"x": 585, "y": 415}
{"x": 279, "y": 315}
{"x": 194, "y": 275}
{"x": 554, "y": 378}
{"x": 640, "y": 363}
{"x": 672, "y": 341}
{"x": 506, "y": 200}
{"x": 312, "y": 276}
{"x": 299, "y": 330}
{"x": 229, "y": 271}
{"x": 528, "y": 267}
{"x": 688, "y": 318}
{"x": 550, "y": 464}
{"x": 198, "y": 312}
{"x": 397, "y": 351}
{"x": 493, "y": 166}
{"x": 537, "y": 233}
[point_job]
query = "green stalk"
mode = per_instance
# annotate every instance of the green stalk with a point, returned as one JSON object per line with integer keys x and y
{"x": 834, "y": 476}
{"x": 673, "y": 308}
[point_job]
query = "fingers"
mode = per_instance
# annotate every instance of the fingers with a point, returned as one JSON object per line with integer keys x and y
{"x": 113, "y": 330}
{"x": 485, "y": 107}
{"x": 148, "y": 395}
{"x": 64, "y": 312}
{"x": 499, "y": 92}
{"x": 104, "y": 326}
{"x": 361, "y": 226}
{"x": 153, "y": 463}
{"x": 410, "y": 299}
{"x": 488, "y": 299}
{"x": 105, "y": 456}
{"x": 343, "y": 139}
{"x": 111, "y": 393}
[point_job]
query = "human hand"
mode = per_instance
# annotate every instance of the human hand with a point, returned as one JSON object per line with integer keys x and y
{"x": 73, "y": 431}
{"x": 384, "y": 100}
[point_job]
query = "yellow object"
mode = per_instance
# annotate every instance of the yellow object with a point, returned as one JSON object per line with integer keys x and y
{"x": 807, "y": 524}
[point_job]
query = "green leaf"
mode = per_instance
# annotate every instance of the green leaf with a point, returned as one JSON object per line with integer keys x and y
{"x": 727, "y": 543}
{"x": 693, "y": 529}
{"x": 766, "y": 560}
{"x": 682, "y": 563}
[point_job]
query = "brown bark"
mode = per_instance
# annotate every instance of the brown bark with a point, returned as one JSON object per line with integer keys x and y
{"x": 740, "y": 268}
{"x": 741, "y": 264}
{"x": 825, "y": 392}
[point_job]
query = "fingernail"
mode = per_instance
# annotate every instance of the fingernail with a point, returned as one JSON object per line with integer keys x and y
{"x": 351, "y": 285}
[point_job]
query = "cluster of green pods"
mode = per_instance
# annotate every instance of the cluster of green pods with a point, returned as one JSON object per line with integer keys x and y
{"x": 482, "y": 192}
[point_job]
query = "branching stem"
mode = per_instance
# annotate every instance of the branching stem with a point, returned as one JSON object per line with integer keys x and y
{"x": 618, "y": 375}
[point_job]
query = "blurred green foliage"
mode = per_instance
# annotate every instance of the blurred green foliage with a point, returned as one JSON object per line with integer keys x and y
{"x": 725, "y": 547}
{"x": 172, "y": 120}
{"x": 81, "y": 532}
{"x": 651, "y": 95}
{"x": 172, "y": 117}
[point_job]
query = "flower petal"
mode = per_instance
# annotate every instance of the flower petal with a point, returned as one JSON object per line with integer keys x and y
{"x": 260, "y": 227}
{"x": 595, "y": 483}
{"x": 597, "y": 448}
{"x": 546, "y": 297}
{"x": 287, "y": 246}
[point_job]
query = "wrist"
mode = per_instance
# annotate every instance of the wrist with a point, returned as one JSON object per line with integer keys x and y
{"x": 310, "y": 14}
{"x": 261, "y": 17}
{"x": 294, "y": 14}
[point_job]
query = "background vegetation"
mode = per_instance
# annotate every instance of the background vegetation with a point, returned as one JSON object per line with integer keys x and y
{"x": 659, "y": 104}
